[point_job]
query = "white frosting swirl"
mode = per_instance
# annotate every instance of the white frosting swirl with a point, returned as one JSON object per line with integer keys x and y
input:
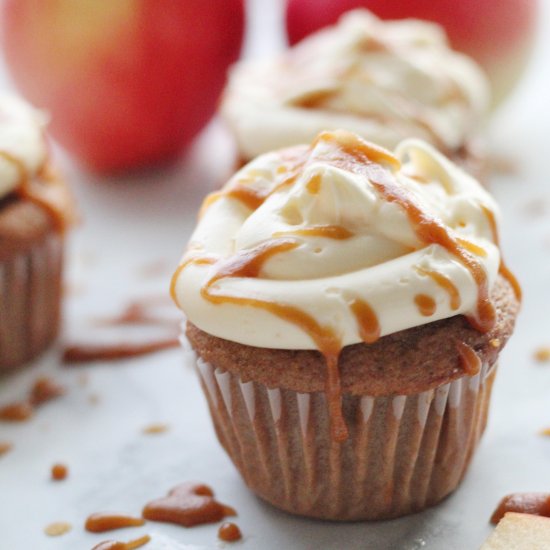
{"x": 372, "y": 252}
{"x": 21, "y": 139}
{"x": 385, "y": 81}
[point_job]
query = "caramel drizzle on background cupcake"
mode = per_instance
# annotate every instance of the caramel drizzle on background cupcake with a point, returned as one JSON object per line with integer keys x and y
{"x": 46, "y": 189}
{"x": 350, "y": 153}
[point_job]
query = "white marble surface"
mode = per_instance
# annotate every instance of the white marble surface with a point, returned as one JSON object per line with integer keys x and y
{"x": 113, "y": 466}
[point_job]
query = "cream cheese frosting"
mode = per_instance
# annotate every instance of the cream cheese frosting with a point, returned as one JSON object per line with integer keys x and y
{"x": 384, "y": 80}
{"x": 340, "y": 238}
{"x": 22, "y": 144}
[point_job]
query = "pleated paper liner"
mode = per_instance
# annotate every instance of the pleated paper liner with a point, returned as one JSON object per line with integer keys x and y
{"x": 30, "y": 298}
{"x": 404, "y": 453}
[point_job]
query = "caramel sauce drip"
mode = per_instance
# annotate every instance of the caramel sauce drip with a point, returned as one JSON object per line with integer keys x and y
{"x": 45, "y": 189}
{"x": 187, "y": 504}
{"x": 59, "y": 472}
{"x": 503, "y": 269}
{"x": 426, "y": 304}
{"x": 537, "y": 504}
{"x": 229, "y": 532}
{"x": 369, "y": 327}
{"x": 470, "y": 359}
{"x": 248, "y": 263}
{"x": 45, "y": 389}
{"x": 106, "y": 521}
{"x": 86, "y": 353}
{"x": 130, "y": 545}
{"x": 336, "y": 232}
{"x": 355, "y": 156}
{"x": 17, "y": 412}
{"x": 445, "y": 283}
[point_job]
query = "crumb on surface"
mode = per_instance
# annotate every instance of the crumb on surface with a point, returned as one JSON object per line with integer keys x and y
{"x": 57, "y": 528}
{"x": 155, "y": 428}
{"x": 542, "y": 355}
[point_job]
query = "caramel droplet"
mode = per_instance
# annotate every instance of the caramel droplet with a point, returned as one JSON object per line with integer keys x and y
{"x": 426, "y": 304}
{"x": 59, "y": 472}
{"x": 229, "y": 532}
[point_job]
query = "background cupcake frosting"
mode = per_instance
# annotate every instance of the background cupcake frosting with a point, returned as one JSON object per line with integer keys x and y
{"x": 21, "y": 141}
{"x": 385, "y": 81}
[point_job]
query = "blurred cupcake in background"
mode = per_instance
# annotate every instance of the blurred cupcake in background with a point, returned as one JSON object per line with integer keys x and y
{"x": 35, "y": 210}
{"x": 347, "y": 307}
{"x": 384, "y": 80}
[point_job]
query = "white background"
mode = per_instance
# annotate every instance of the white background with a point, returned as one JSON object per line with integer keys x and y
{"x": 129, "y": 223}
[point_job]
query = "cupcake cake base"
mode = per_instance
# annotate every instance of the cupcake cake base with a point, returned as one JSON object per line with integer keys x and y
{"x": 31, "y": 260}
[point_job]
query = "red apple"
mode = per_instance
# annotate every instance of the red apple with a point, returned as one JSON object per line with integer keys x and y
{"x": 128, "y": 83}
{"x": 496, "y": 33}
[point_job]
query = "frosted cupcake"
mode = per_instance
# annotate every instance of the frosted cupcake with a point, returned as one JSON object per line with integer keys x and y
{"x": 347, "y": 307}
{"x": 386, "y": 81}
{"x": 35, "y": 208}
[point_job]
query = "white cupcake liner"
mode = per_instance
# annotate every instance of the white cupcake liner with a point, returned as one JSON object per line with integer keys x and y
{"x": 404, "y": 453}
{"x": 30, "y": 294}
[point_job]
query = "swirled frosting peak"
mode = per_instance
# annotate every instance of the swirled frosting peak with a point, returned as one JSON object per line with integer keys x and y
{"x": 384, "y": 80}
{"x": 340, "y": 242}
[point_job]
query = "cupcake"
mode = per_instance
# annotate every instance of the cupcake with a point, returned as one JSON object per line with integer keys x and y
{"x": 35, "y": 208}
{"x": 385, "y": 81}
{"x": 347, "y": 307}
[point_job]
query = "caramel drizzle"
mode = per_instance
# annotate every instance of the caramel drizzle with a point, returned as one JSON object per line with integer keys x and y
{"x": 248, "y": 264}
{"x": 503, "y": 269}
{"x": 354, "y": 156}
{"x": 369, "y": 327}
{"x": 470, "y": 360}
{"x": 445, "y": 283}
{"x": 426, "y": 304}
{"x": 196, "y": 260}
{"x": 46, "y": 196}
{"x": 336, "y": 232}
{"x": 243, "y": 191}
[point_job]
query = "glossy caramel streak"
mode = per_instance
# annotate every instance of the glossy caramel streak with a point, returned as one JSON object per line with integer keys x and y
{"x": 105, "y": 521}
{"x": 356, "y": 156}
{"x": 336, "y": 232}
{"x": 445, "y": 283}
{"x": 197, "y": 260}
{"x": 472, "y": 247}
{"x": 503, "y": 269}
{"x": 426, "y": 304}
{"x": 369, "y": 327}
{"x": 470, "y": 359}
{"x": 249, "y": 262}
